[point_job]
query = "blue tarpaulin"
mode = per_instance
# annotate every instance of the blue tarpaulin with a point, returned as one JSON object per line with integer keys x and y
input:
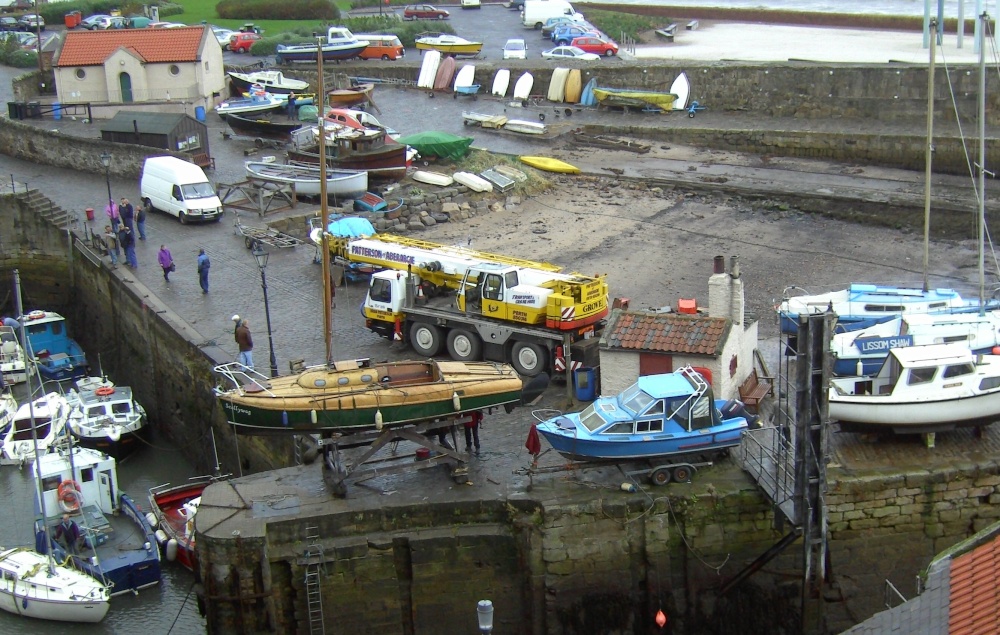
{"x": 350, "y": 227}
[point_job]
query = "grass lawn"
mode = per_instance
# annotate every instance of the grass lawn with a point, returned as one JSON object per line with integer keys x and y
{"x": 197, "y": 10}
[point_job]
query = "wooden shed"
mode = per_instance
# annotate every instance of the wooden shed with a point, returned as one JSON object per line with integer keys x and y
{"x": 170, "y": 131}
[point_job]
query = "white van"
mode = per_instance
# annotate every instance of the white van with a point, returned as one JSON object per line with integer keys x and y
{"x": 536, "y": 12}
{"x": 178, "y": 188}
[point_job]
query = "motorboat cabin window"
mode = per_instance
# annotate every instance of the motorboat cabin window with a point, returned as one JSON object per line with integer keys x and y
{"x": 87, "y": 474}
{"x": 197, "y": 190}
{"x": 493, "y": 287}
{"x": 989, "y": 383}
{"x": 380, "y": 291}
{"x": 510, "y": 279}
{"x": 622, "y": 427}
{"x": 342, "y": 381}
{"x": 886, "y": 308}
{"x": 121, "y": 408}
{"x": 635, "y": 399}
{"x": 955, "y": 338}
{"x": 591, "y": 419}
{"x": 692, "y": 414}
{"x": 653, "y": 425}
{"x": 655, "y": 409}
{"x": 937, "y": 305}
{"x": 957, "y": 370}
{"x": 921, "y": 375}
{"x": 51, "y": 483}
{"x": 367, "y": 379}
{"x": 95, "y": 411}
{"x": 24, "y": 433}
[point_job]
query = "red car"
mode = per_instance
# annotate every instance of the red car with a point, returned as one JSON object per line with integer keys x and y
{"x": 596, "y": 45}
{"x": 424, "y": 12}
{"x": 241, "y": 42}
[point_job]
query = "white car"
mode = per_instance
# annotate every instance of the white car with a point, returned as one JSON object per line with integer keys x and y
{"x": 222, "y": 35}
{"x": 515, "y": 49}
{"x": 569, "y": 53}
{"x": 471, "y": 4}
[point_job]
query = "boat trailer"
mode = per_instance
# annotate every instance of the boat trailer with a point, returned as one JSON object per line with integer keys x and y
{"x": 339, "y": 471}
{"x": 658, "y": 470}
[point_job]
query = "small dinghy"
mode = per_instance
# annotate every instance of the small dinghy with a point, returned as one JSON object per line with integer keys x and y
{"x": 432, "y": 178}
{"x": 548, "y": 164}
{"x": 307, "y": 178}
{"x": 474, "y": 182}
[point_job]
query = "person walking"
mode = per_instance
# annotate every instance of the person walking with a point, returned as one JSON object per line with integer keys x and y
{"x": 140, "y": 221}
{"x": 127, "y": 212}
{"x": 203, "y": 266}
{"x": 472, "y": 431}
{"x": 111, "y": 240}
{"x": 112, "y": 211}
{"x": 245, "y": 342}
{"x": 127, "y": 242}
{"x": 166, "y": 262}
{"x": 291, "y": 106}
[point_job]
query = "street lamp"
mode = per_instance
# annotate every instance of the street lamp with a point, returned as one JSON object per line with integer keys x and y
{"x": 260, "y": 255}
{"x": 106, "y": 162}
{"x": 484, "y": 611}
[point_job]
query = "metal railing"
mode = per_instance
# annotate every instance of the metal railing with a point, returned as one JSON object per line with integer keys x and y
{"x": 767, "y": 456}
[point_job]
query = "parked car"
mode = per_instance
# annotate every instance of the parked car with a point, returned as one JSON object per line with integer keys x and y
{"x": 223, "y": 36}
{"x": 31, "y": 22}
{"x": 138, "y": 22}
{"x": 569, "y": 53}
{"x": 8, "y": 23}
{"x": 515, "y": 49}
{"x": 241, "y": 42}
{"x": 471, "y": 4}
{"x": 90, "y": 23}
{"x": 515, "y": 4}
{"x": 564, "y": 34}
{"x": 596, "y": 45}
{"x": 111, "y": 22}
{"x": 555, "y": 22}
{"x": 165, "y": 25}
{"x": 424, "y": 12}
{"x": 21, "y": 37}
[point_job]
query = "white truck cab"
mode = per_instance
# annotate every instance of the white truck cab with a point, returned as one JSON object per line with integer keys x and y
{"x": 178, "y": 188}
{"x": 536, "y": 12}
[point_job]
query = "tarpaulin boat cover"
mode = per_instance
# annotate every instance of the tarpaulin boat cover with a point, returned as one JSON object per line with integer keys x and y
{"x": 438, "y": 144}
{"x": 351, "y": 227}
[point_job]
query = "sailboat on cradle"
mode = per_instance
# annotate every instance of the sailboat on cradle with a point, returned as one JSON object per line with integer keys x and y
{"x": 34, "y": 585}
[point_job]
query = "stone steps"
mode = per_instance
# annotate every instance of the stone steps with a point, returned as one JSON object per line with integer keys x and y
{"x": 44, "y": 207}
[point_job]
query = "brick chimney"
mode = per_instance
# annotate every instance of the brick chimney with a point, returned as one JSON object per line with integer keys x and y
{"x": 725, "y": 291}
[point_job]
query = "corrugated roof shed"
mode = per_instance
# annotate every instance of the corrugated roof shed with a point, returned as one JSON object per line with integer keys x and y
{"x": 147, "y": 122}
{"x": 91, "y": 48}
{"x": 665, "y": 332}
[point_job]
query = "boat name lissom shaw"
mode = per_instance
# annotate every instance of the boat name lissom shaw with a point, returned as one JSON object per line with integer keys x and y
{"x": 382, "y": 255}
{"x": 883, "y": 344}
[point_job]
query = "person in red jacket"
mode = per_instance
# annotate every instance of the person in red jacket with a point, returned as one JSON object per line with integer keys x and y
{"x": 472, "y": 431}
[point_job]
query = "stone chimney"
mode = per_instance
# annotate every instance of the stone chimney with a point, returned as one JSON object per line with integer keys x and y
{"x": 725, "y": 291}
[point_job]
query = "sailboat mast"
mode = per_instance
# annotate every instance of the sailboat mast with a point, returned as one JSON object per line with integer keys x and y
{"x": 19, "y": 308}
{"x": 981, "y": 187}
{"x": 929, "y": 151}
{"x": 324, "y": 207}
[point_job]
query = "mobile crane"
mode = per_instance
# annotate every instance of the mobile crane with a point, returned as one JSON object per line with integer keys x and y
{"x": 477, "y": 305}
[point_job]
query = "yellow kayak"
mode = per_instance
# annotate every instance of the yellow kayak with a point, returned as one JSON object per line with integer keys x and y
{"x": 550, "y": 165}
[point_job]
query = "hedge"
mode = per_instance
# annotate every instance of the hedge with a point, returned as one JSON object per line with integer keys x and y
{"x": 270, "y": 10}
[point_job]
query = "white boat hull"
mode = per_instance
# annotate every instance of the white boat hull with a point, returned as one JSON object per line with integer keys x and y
{"x": 307, "y": 181}
{"x": 68, "y": 596}
{"x": 473, "y": 182}
{"x": 51, "y": 413}
{"x": 432, "y": 178}
{"x": 944, "y": 413}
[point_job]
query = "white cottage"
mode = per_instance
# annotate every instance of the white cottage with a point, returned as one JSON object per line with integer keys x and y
{"x": 720, "y": 343}
{"x": 125, "y": 66}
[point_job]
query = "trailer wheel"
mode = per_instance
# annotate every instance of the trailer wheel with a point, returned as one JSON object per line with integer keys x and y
{"x": 527, "y": 359}
{"x": 682, "y": 474}
{"x": 464, "y": 346}
{"x": 425, "y": 339}
{"x": 660, "y": 476}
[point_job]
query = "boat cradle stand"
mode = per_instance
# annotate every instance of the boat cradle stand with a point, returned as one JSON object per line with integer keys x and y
{"x": 338, "y": 471}
{"x": 255, "y": 195}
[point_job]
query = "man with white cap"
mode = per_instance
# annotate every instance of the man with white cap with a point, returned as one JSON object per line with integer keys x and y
{"x": 244, "y": 341}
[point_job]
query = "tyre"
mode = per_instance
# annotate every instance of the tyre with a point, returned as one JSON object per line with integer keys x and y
{"x": 682, "y": 474}
{"x": 660, "y": 476}
{"x": 528, "y": 359}
{"x": 183, "y": 218}
{"x": 464, "y": 346}
{"x": 385, "y": 58}
{"x": 609, "y": 53}
{"x": 425, "y": 339}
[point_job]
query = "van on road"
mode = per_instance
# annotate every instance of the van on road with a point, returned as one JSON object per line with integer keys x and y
{"x": 178, "y": 188}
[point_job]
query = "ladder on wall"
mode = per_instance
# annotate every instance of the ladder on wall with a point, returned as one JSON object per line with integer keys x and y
{"x": 315, "y": 560}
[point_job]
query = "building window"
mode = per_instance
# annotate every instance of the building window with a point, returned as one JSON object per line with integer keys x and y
{"x": 174, "y": 69}
{"x": 81, "y": 74}
{"x": 206, "y": 66}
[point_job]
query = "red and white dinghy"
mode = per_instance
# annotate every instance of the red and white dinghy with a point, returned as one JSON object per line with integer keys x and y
{"x": 173, "y": 508}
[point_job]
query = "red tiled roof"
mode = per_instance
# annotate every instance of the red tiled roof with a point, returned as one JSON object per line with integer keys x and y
{"x": 91, "y": 48}
{"x": 974, "y": 606}
{"x": 666, "y": 332}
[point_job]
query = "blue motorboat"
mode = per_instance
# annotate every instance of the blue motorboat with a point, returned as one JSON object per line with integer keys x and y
{"x": 660, "y": 415}
{"x": 118, "y": 545}
{"x": 56, "y": 354}
{"x": 862, "y": 352}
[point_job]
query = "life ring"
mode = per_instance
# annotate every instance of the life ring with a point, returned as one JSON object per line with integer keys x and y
{"x": 69, "y": 496}
{"x": 36, "y": 315}
{"x": 104, "y": 391}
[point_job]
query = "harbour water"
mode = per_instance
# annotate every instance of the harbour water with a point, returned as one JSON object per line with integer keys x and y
{"x": 170, "y": 607}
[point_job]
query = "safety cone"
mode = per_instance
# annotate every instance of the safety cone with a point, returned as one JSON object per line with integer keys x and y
{"x": 421, "y": 298}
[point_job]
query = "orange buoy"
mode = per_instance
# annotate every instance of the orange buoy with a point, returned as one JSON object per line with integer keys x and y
{"x": 104, "y": 391}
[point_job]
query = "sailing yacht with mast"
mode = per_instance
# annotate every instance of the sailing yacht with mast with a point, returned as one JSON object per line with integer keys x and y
{"x": 34, "y": 585}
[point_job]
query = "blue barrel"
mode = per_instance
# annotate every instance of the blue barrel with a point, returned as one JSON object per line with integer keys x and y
{"x": 583, "y": 381}
{"x": 57, "y": 110}
{"x": 199, "y": 113}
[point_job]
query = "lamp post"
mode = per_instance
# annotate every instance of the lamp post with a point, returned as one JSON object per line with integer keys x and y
{"x": 260, "y": 255}
{"x": 484, "y": 611}
{"x": 106, "y": 162}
